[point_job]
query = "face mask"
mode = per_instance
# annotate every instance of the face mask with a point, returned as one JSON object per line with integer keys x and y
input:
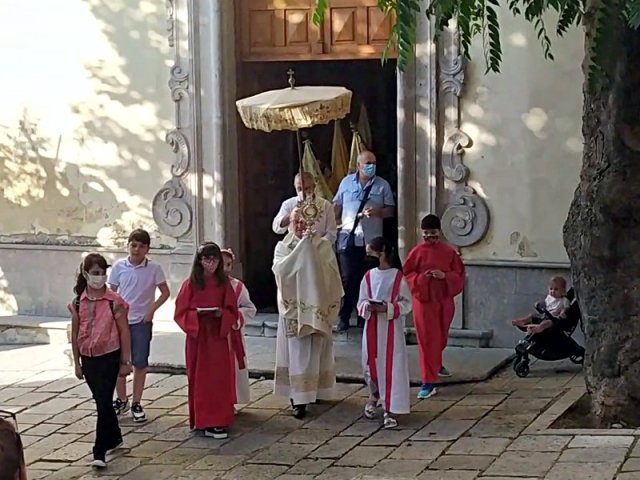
{"x": 369, "y": 170}
{"x": 96, "y": 281}
{"x": 209, "y": 266}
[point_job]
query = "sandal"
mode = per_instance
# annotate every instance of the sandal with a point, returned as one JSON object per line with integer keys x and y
{"x": 370, "y": 410}
{"x": 389, "y": 421}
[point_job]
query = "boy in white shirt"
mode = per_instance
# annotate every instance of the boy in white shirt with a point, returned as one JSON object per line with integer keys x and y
{"x": 136, "y": 279}
{"x": 556, "y": 303}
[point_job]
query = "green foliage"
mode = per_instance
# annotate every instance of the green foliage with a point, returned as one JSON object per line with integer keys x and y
{"x": 480, "y": 18}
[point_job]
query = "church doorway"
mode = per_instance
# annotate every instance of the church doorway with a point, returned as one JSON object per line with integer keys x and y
{"x": 269, "y": 161}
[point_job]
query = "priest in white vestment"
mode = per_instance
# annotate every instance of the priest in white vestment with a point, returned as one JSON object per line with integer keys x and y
{"x": 309, "y": 295}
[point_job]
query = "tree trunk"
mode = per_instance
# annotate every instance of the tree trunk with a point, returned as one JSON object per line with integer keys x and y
{"x": 602, "y": 231}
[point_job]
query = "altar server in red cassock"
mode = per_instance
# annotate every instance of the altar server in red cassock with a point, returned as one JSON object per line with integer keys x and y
{"x": 206, "y": 310}
{"x": 435, "y": 274}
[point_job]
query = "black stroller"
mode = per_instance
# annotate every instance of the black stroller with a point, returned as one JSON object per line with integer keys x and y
{"x": 553, "y": 344}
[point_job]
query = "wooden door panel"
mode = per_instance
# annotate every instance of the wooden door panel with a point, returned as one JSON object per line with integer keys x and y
{"x": 276, "y": 30}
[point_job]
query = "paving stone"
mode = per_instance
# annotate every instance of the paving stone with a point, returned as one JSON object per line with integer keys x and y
{"x": 595, "y": 455}
{"x": 636, "y": 450}
{"x": 132, "y": 440}
{"x": 362, "y": 428}
{"x": 70, "y": 416}
{"x": 180, "y": 456}
{"x": 339, "y": 417}
{"x": 151, "y": 472}
{"x": 83, "y": 426}
{"x": 168, "y": 402}
{"x": 43, "y": 429}
{"x": 597, "y": 441}
{"x": 48, "y": 445}
{"x": 523, "y": 463}
{"x": 462, "y": 462}
{"x": 54, "y": 406}
{"x": 310, "y": 466}
{"x": 479, "y": 446}
{"x": 9, "y": 393}
{"x": 309, "y": 436}
{"x": 123, "y": 465}
{"x": 465, "y": 412}
{"x": 364, "y": 456}
{"x": 160, "y": 425}
{"x": 419, "y": 450}
{"x": 48, "y": 465}
{"x": 540, "y": 443}
{"x": 431, "y": 405}
{"x": 388, "y": 437}
{"x": 497, "y": 424}
{"x": 444, "y": 429}
{"x": 197, "y": 475}
{"x": 449, "y": 475}
{"x": 28, "y": 440}
{"x": 70, "y": 453}
{"x": 631, "y": 465}
{"x": 175, "y": 434}
{"x": 152, "y": 448}
{"x": 249, "y": 442}
{"x": 32, "y": 398}
{"x": 71, "y": 472}
{"x": 280, "y": 424}
{"x": 217, "y": 462}
{"x": 255, "y": 472}
{"x": 336, "y": 447}
{"x": 38, "y": 474}
{"x": 516, "y": 405}
{"x": 253, "y": 418}
{"x": 282, "y": 454}
{"x": 489, "y": 400}
{"x": 32, "y": 418}
{"x": 342, "y": 473}
{"x": 399, "y": 468}
{"x": 582, "y": 471}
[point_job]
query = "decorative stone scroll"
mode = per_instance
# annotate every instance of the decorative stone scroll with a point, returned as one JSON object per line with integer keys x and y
{"x": 465, "y": 220}
{"x": 174, "y": 205}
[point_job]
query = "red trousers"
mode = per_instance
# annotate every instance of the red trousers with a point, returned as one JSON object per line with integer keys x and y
{"x": 432, "y": 322}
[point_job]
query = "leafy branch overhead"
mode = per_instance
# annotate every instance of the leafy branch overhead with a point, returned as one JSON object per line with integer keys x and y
{"x": 479, "y": 18}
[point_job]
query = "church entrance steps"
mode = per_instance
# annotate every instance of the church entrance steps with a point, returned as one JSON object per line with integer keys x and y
{"x": 39, "y": 330}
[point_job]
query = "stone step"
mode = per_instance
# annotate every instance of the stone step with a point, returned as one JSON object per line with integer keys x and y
{"x": 38, "y": 330}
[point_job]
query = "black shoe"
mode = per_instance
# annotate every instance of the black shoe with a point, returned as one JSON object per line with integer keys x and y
{"x": 137, "y": 413}
{"x": 299, "y": 411}
{"x": 360, "y": 322}
{"x": 342, "y": 326}
{"x": 216, "y": 432}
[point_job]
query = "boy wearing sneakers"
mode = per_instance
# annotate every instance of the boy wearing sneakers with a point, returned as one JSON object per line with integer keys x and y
{"x": 136, "y": 279}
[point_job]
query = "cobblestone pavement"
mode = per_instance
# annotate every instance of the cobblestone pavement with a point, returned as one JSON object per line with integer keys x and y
{"x": 473, "y": 431}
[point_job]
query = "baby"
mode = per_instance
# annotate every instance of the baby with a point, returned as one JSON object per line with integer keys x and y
{"x": 556, "y": 303}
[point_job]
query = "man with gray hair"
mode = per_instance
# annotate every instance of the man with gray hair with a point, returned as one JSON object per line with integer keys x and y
{"x": 362, "y": 202}
{"x": 304, "y": 185}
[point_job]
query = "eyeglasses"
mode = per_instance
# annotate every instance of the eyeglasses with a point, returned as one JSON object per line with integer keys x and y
{"x": 10, "y": 416}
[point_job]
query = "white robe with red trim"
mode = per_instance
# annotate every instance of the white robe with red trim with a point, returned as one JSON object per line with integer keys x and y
{"x": 247, "y": 312}
{"x": 384, "y": 352}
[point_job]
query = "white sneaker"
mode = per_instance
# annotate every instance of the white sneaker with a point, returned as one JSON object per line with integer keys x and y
{"x": 137, "y": 413}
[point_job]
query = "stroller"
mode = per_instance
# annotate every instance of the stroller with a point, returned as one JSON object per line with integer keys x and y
{"x": 553, "y": 344}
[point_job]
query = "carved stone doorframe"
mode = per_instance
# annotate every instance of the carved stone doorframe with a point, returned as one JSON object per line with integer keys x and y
{"x": 193, "y": 206}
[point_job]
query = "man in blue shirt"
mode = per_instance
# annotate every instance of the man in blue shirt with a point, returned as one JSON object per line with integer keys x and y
{"x": 362, "y": 202}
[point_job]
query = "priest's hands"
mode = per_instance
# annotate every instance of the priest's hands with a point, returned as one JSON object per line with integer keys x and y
{"x": 438, "y": 274}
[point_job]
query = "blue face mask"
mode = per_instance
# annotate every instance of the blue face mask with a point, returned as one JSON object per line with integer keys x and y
{"x": 369, "y": 170}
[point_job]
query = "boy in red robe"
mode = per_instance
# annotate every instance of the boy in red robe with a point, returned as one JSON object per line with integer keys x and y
{"x": 435, "y": 274}
{"x": 206, "y": 310}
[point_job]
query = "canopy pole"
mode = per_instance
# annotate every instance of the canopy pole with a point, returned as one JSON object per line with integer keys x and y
{"x": 299, "y": 144}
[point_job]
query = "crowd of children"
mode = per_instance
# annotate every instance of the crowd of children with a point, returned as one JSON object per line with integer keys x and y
{"x": 112, "y": 320}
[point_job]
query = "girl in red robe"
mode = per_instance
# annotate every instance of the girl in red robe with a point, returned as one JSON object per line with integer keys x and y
{"x": 435, "y": 274}
{"x": 206, "y": 310}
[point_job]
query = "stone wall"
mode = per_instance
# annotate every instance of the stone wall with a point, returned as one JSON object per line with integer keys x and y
{"x": 84, "y": 116}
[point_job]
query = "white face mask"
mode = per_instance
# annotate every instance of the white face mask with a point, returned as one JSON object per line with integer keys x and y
{"x": 96, "y": 281}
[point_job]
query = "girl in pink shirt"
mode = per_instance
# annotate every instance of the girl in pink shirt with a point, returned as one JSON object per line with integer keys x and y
{"x": 101, "y": 347}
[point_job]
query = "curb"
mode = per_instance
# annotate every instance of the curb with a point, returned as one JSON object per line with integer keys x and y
{"x": 340, "y": 378}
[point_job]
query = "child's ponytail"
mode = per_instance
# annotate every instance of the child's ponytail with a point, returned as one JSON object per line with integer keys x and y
{"x": 81, "y": 282}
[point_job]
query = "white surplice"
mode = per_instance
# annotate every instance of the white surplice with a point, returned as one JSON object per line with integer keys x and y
{"x": 309, "y": 294}
{"x": 325, "y": 225}
{"x": 391, "y": 365}
{"x": 247, "y": 311}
